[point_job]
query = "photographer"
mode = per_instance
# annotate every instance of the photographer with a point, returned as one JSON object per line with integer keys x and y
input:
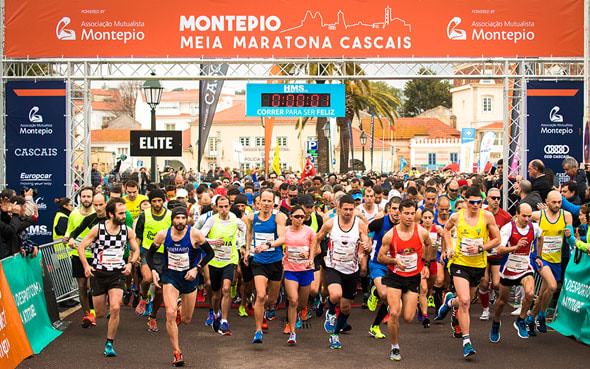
{"x": 25, "y": 210}
{"x": 19, "y": 213}
{"x": 7, "y": 225}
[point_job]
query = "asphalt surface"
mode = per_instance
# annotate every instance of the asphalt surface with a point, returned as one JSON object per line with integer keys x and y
{"x": 420, "y": 348}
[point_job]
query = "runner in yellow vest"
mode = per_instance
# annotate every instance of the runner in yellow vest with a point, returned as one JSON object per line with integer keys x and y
{"x": 477, "y": 233}
{"x": 133, "y": 199}
{"x": 60, "y": 226}
{"x": 221, "y": 231}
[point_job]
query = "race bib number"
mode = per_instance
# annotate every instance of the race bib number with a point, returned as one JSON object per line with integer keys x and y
{"x": 435, "y": 241}
{"x": 178, "y": 262}
{"x": 344, "y": 258}
{"x": 410, "y": 262}
{"x": 263, "y": 239}
{"x": 296, "y": 254}
{"x": 517, "y": 263}
{"x": 223, "y": 252}
{"x": 552, "y": 244}
{"x": 471, "y": 242}
{"x": 112, "y": 258}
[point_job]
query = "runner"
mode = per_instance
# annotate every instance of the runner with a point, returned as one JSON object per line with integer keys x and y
{"x": 265, "y": 236}
{"x": 107, "y": 241}
{"x": 298, "y": 265}
{"x": 402, "y": 250}
{"x": 349, "y": 243}
{"x": 477, "y": 232}
{"x": 516, "y": 249}
{"x": 555, "y": 224}
{"x": 441, "y": 217}
{"x": 183, "y": 258}
{"x": 133, "y": 198}
{"x": 429, "y": 256}
{"x": 222, "y": 233}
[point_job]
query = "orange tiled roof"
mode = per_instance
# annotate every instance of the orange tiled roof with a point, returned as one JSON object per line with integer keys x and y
{"x": 408, "y": 128}
{"x": 110, "y": 136}
{"x": 493, "y": 126}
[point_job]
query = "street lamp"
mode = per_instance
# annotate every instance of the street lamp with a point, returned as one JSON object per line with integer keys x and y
{"x": 363, "y": 143}
{"x": 326, "y": 129}
{"x": 152, "y": 90}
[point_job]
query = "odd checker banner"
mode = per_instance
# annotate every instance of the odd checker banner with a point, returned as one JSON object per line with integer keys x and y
{"x": 36, "y": 146}
{"x": 286, "y": 28}
{"x": 554, "y": 123}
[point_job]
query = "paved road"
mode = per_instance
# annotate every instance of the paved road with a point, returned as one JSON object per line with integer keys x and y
{"x": 434, "y": 348}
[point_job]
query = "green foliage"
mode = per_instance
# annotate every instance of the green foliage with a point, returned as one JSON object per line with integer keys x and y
{"x": 423, "y": 94}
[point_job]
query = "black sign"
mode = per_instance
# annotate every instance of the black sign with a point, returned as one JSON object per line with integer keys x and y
{"x": 156, "y": 143}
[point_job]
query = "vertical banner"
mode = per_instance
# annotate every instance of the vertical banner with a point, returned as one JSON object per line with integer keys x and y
{"x": 467, "y": 150}
{"x": 554, "y": 123}
{"x": 36, "y": 146}
{"x": 209, "y": 92}
{"x": 24, "y": 277}
{"x": 14, "y": 344}
{"x": 485, "y": 148}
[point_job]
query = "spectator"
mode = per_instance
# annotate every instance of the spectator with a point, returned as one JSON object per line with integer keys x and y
{"x": 60, "y": 222}
{"x": 569, "y": 190}
{"x": 95, "y": 176}
{"x": 8, "y": 225}
{"x": 524, "y": 189}
{"x": 572, "y": 169}
{"x": 25, "y": 210}
{"x": 540, "y": 182}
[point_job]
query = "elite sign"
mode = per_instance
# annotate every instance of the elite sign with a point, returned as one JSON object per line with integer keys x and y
{"x": 156, "y": 143}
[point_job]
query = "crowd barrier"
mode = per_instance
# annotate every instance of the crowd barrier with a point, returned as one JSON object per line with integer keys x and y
{"x": 59, "y": 270}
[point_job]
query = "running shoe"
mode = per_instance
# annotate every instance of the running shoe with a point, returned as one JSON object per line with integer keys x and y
{"x": 419, "y": 315}
{"x": 127, "y": 296}
{"x": 224, "y": 329}
{"x": 541, "y": 324}
{"x": 178, "y": 359}
{"x": 109, "y": 350}
{"x": 287, "y": 329}
{"x": 426, "y": 322}
{"x": 517, "y": 311}
{"x": 455, "y": 327}
{"x": 521, "y": 328}
{"x": 373, "y": 300}
{"x": 152, "y": 325}
{"x": 149, "y": 307}
{"x": 485, "y": 314}
{"x": 319, "y": 310}
{"x": 200, "y": 296}
{"x": 431, "y": 301}
{"x": 271, "y": 314}
{"x": 140, "y": 309}
{"x": 242, "y": 311}
{"x": 335, "y": 342}
{"x": 292, "y": 341}
{"x": 257, "y": 337}
{"x": 264, "y": 324}
{"x": 216, "y": 325}
{"x": 210, "y": 318}
{"x": 347, "y": 328}
{"x": 394, "y": 355}
{"x": 88, "y": 320}
{"x": 305, "y": 314}
{"x": 495, "y": 332}
{"x": 531, "y": 326}
{"x": 330, "y": 322}
{"x": 468, "y": 350}
{"x": 375, "y": 331}
{"x": 298, "y": 322}
{"x": 444, "y": 309}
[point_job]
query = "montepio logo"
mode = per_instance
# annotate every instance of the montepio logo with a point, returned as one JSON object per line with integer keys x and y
{"x": 34, "y": 117}
{"x": 118, "y": 31}
{"x": 554, "y": 117}
{"x": 514, "y": 31}
{"x": 62, "y": 32}
{"x": 454, "y": 33}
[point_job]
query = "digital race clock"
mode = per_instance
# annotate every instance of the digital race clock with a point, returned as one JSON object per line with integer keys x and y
{"x": 295, "y": 100}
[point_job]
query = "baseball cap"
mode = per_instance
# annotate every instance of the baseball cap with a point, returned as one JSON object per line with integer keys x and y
{"x": 306, "y": 200}
{"x": 181, "y": 192}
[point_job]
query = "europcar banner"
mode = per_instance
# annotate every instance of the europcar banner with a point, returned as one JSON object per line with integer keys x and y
{"x": 14, "y": 344}
{"x": 26, "y": 283}
{"x": 36, "y": 146}
{"x": 554, "y": 123}
{"x": 284, "y": 28}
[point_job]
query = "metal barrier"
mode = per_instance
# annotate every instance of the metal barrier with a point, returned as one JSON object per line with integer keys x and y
{"x": 59, "y": 267}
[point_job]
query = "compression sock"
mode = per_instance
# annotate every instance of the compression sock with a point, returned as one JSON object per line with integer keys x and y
{"x": 331, "y": 307}
{"x": 381, "y": 313}
{"x": 340, "y": 322}
{"x": 438, "y": 293}
{"x": 484, "y": 297}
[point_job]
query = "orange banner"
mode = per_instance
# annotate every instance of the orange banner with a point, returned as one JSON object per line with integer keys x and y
{"x": 14, "y": 344}
{"x": 304, "y": 28}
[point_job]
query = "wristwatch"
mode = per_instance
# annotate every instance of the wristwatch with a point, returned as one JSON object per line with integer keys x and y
{"x": 480, "y": 249}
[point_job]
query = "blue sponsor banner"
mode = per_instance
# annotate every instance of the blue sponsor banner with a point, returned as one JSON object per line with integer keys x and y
{"x": 295, "y": 100}
{"x": 36, "y": 146}
{"x": 554, "y": 123}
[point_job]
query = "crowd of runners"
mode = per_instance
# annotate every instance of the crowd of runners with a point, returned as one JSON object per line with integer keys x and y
{"x": 419, "y": 246}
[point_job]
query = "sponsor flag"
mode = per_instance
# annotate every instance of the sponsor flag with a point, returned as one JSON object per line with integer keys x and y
{"x": 209, "y": 92}
{"x": 402, "y": 163}
{"x": 467, "y": 150}
{"x": 308, "y": 170}
{"x": 485, "y": 149}
{"x": 276, "y": 161}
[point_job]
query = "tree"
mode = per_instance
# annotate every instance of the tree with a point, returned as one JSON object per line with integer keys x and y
{"x": 423, "y": 94}
{"x": 129, "y": 91}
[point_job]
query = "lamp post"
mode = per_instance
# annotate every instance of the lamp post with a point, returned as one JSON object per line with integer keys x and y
{"x": 326, "y": 129}
{"x": 363, "y": 143}
{"x": 153, "y": 93}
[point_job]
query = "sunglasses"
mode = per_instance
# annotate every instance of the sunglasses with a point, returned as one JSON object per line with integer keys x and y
{"x": 495, "y": 197}
{"x": 453, "y": 189}
{"x": 298, "y": 216}
{"x": 474, "y": 202}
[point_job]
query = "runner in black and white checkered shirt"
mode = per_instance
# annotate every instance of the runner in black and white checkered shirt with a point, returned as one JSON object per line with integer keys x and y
{"x": 109, "y": 269}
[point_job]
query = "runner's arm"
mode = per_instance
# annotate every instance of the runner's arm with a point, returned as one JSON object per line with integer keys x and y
{"x": 201, "y": 242}
{"x": 383, "y": 257}
{"x": 158, "y": 241}
{"x": 364, "y": 236}
{"x": 505, "y": 234}
{"x": 494, "y": 232}
{"x": 448, "y": 241}
{"x": 326, "y": 228}
{"x": 133, "y": 247}
{"x": 571, "y": 239}
{"x": 139, "y": 227}
{"x": 281, "y": 226}
{"x": 90, "y": 237}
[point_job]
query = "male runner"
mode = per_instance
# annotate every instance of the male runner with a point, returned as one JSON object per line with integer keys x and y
{"x": 349, "y": 243}
{"x": 477, "y": 232}
{"x": 133, "y": 198}
{"x": 107, "y": 241}
{"x": 402, "y": 250}
{"x": 182, "y": 261}
{"x": 516, "y": 249}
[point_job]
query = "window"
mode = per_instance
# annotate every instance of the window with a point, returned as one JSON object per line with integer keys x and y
{"x": 212, "y": 143}
{"x": 245, "y": 141}
{"x": 454, "y": 157}
{"x": 283, "y": 167}
{"x": 169, "y": 127}
{"x": 498, "y": 139}
{"x": 245, "y": 166}
{"x": 122, "y": 151}
{"x": 282, "y": 141}
{"x": 431, "y": 158}
{"x": 487, "y": 103}
{"x": 259, "y": 141}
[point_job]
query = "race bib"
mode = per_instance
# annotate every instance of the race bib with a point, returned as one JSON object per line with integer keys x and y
{"x": 435, "y": 241}
{"x": 552, "y": 244}
{"x": 263, "y": 239}
{"x": 295, "y": 254}
{"x": 517, "y": 263}
{"x": 112, "y": 258}
{"x": 410, "y": 262}
{"x": 223, "y": 253}
{"x": 178, "y": 262}
{"x": 468, "y": 242}
{"x": 344, "y": 258}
